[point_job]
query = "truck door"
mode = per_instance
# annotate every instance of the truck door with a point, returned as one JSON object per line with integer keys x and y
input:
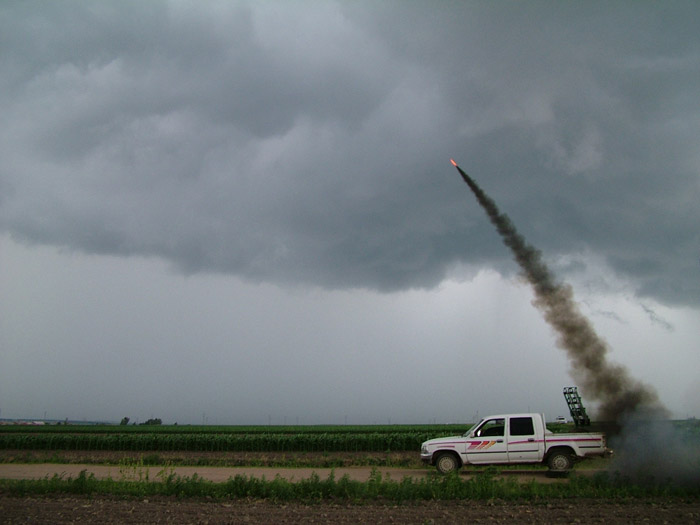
{"x": 487, "y": 443}
{"x": 523, "y": 444}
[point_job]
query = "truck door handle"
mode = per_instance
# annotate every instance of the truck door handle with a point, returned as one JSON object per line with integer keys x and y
{"x": 531, "y": 439}
{"x": 499, "y": 441}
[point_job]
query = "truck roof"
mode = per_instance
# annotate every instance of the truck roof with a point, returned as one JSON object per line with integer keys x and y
{"x": 523, "y": 414}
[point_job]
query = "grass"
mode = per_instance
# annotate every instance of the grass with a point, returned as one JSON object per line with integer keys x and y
{"x": 484, "y": 487}
{"x": 249, "y": 459}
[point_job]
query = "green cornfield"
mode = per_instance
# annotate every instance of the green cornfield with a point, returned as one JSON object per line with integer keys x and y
{"x": 223, "y": 439}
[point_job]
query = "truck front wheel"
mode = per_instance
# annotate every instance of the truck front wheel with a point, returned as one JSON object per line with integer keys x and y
{"x": 446, "y": 462}
{"x": 560, "y": 462}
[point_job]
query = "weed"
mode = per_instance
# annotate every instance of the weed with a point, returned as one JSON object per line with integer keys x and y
{"x": 152, "y": 459}
{"x": 484, "y": 487}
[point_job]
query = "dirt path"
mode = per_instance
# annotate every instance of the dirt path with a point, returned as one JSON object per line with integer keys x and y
{"x": 216, "y": 474}
{"x": 105, "y": 509}
{"x": 407, "y": 459}
{"x": 59, "y": 509}
{"x": 221, "y": 474}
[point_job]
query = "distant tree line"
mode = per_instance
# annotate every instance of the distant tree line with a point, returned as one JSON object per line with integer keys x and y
{"x": 152, "y": 421}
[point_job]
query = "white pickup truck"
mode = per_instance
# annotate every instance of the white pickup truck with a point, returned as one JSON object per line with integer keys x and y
{"x": 511, "y": 439}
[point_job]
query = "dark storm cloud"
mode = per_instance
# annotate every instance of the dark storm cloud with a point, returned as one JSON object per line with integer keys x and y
{"x": 309, "y": 143}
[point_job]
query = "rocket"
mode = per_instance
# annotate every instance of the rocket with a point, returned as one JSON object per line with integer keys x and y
{"x": 466, "y": 177}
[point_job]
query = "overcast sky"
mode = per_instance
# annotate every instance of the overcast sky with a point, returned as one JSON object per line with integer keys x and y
{"x": 244, "y": 212}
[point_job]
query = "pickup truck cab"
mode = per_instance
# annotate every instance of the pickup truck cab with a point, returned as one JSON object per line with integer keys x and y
{"x": 511, "y": 439}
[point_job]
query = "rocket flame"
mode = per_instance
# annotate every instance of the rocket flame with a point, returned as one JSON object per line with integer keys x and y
{"x": 453, "y": 163}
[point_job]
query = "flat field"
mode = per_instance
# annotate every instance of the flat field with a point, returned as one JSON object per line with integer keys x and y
{"x": 181, "y": 474}
{"x": 106, "y": 509}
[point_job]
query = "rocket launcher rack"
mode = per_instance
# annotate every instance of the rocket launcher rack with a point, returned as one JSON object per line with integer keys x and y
{"x": 578, "y": 412}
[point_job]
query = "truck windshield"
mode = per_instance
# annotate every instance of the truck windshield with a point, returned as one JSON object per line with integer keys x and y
{"x": 473, "y": 427}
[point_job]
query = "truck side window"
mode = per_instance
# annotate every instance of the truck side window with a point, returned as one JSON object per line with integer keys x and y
{"x": 492, "y": 427}
{"x": 521, "y": 426}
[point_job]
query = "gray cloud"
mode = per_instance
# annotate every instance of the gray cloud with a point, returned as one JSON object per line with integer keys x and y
{"x": 309, "y": 144}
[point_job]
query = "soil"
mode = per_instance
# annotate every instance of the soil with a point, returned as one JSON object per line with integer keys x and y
{"x": 223, "y": 459}
{"x": 60, "y": 510}
{"x": 222, "y": 474}
{"x": 215, "y": 474}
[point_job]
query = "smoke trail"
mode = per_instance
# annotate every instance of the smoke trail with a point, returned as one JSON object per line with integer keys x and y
{"x": 619, "y": 395}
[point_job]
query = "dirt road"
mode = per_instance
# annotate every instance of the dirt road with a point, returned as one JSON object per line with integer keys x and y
{"x": 104, "y": 509}
{"x": 221, "y": 474}
{"x": 216, "y": 474}
{"x": 57, "y": 509}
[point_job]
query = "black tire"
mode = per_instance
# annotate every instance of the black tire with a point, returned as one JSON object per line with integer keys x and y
{"x": 446, "y": 462}
{"x": 560, "y": 462}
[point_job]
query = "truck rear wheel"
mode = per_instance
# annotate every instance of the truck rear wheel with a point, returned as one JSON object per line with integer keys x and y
{"x": 446, "y": 462}
{"x": 560, "y": 462}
